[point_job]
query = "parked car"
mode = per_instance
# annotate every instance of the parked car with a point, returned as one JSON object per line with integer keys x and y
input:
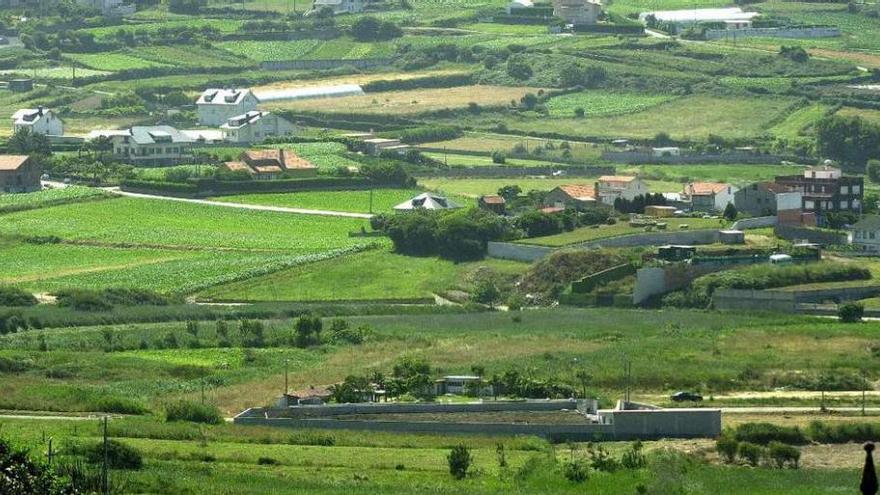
{"x": 686, "y": 396}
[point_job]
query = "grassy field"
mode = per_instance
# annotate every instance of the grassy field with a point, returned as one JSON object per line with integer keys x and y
{"x": 353, "y": 201}
{"x": 338, "y": 49}
{"x": 181, "y": 225}
{"x": 368, "y": 275}
{"x": 479, "y": 187}
{"x": 488, "y": 142}
{"x": 357, "y": 79}
{"x": 725, "y": 116}
{"x": 584, "y": 234}
{"x": 872, "y": 116}
{"x": 48, "y": 197}
{"x": 738, "y": 174}
{"x": 114, "y": 61}
{"x": 411, "y": 101}
{"x": 595, "y": 103}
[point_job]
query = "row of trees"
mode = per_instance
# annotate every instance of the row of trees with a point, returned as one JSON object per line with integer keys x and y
{"x": 459, "y": 235}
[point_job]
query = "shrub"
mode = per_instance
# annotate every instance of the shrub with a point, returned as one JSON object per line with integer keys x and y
{"x": 459, "y": 460}
{"x": 577, "y": 471}
{"x": 82, "y": 300}
{"x": 727, "y": 447}
{"x": 193, "y": 411}
{"x": 843, "y": 432}
{"x": 782, "y": 454}
{"x": 634, "y": 458}
{"x": 851, "y": 312}
{"x": 601, "y": 460}
{"x": 119, "y": 455}
{"x": 267, "y": 461}
{"x": 537, "y": 223}
{"x": 13, "y": 296}
{"x": 498, "y": 157}
{"x": 764, "y": 433}
{"x": 750, "y": 453}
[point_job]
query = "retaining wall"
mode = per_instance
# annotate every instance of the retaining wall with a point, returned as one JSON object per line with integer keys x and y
{"x": 517, "y": 252}
{"x": 754, "y": 300}
{"x": 653, "y": 281}
{"x": 505, "y": 171}
{"x": 791, "y": 32}
{"x": 640, "y": 157}
{"x": 754, "y": 223}
{"x": 399, "y": 408}
{"x": 654, "y": 238}
{"x": 816, "y": 236}
{"x": 839, "y": 294}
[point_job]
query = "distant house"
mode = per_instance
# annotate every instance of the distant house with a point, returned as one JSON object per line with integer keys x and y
{"x": 766, "y": 198}
{"x": 690, "y": 17}
{"x": 254, "y": 127}
{"x": 866, "y": 234}
{"x": 493, "y": 203}
{"x": 216, "y": 106}
{"x": 666, "y": 151}
{"x": 577, "y": 12}
{"x": 376, "y": 146}
{"x": 709, "y": 196}
{"x": 148, "y": 145}
{"x": 461, "y": 385}
{"x": 611, "y": 187}
{"x": 272, "y": 164}
{"x": 826, "y": 189}
{"x": 427, "y": 201}
{"x": 515, "y": 5}
{"x": 658, "y": 211}
{"x": 38, "y": 120}
{"x": 19, "y": 173}
{"x": 339, "y": 6}
{"x": 571, "y": 195}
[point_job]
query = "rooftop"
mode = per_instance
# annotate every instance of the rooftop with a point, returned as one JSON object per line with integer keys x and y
{"x": 27, "y": 116}
{"x": 580, "y": 192}
{"x": 705, "y": 188}
{"x": 700, "y": 15}
{"x": 621, "y": 179}
{"x": 12, "y": 162}
{"x": 228, "y": 96}
{"x": 428, "y": 201}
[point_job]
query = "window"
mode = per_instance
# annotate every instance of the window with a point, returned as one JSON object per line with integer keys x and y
{"x": 844, "y": 189}
{"x": 856, "y": 189}
{"x": 844, "y": 205}
{"x": 871, "y": 235}
{"x": 809, "y": 205}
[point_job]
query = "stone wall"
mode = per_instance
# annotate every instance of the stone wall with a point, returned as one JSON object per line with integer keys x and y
{"x": 754, "y": 300}
{"x": 518, "y": 252}
{"x": 405, "y": 408}
{"x": 644, "y": 157}
{"x": 665, "y": 423}
{"x": 754, "y": 223}
{"x": 687, "y": 237}
{"x": 511, "y": 171}
{"x": 816, "y": 236}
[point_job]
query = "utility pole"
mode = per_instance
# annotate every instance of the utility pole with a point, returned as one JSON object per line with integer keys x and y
{"x": 49, "y": 453}
{"x": 105, "y": 475}
{"x": 203, "y": 390}
{"x": 287, "y": 361}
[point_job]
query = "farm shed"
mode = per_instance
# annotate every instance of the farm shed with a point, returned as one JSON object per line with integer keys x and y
{"x": 427, "y": 201}
{"x": 19, "y": 173}
{"x": 285, "y": 94}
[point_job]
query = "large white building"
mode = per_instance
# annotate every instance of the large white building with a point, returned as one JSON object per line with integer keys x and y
{"x": 610, "y": 187}
{"x": 709, "y": 196}
{"x": 254, "y": 127}
{"x": 732, "y": 17}
{"x": 866, "y": 234}
{"x": 339, "y": 6}
{"x": 216, "y": 106}
{"x": 578, "y": 12}
{"x": 38, "y": 120}
{"x": 148, "y": 145}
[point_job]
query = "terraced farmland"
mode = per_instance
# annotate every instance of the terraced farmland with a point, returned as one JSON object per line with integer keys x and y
{"x": 602, "y": 103}
{"x": 351, "y": 201}
{"x": 339, "y": 49}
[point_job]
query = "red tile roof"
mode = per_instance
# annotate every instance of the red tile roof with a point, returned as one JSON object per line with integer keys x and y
{"x": 12, "y": 162}
{"x": 493, "y": 200}
{"x": 704, "y": 188}
{"x": 278, "y": 157}
{"x": 579, "y": 191}
{"x": 619, "y": 179}
{"x": 552, "y": 209}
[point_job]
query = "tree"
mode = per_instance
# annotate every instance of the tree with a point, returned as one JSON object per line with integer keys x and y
{"x": 794, "y": 53}
{"x": 350, "y": 390}
{"x": 509, "y": 193}
{"x": 584, "y": 378}
{"x": 848, "y": 140}
{"x": 662, "y": 139}
{"x": 537, "y": 223}
{"x": 498, "y": 157}
{"x": 251, "y": 332}
{"x": 459, "y": 460}
{"x": 730, "y": 212}
{"x": 873, "y": 170}
{"x": 24, "y": 142}
{"x": 485, "y": 292}
{"x": 727, "y": 447}
{"x": 307, "y": 331}
{"x": 528, "y": 101}
{"x": 518, "y": 68}
{"x": 851, "y": 312}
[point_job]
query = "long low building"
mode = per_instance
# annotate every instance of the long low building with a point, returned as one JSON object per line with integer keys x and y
{"x": 686, "y": 17}
{"x": 148, "y": 145}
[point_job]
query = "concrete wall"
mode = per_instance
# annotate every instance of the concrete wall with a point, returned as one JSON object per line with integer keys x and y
{"x": 510, "y": 171}
{"x": 791, "y": 32}
{"x": 402, "y": 408}
{"x": 754, "y": 223}
{"x": 754, "y": 300}
{"x": 665, "y": 423}
{"x": 652, "y": 281}
{"x": 839, "y": 294}
{"x": 518, "y": 252}
{"x": 655, "y": 238}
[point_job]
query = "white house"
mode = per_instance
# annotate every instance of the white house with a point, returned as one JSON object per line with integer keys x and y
{"x": 610, "y": 187}
{"x": 689, "y": 17}
{"x": 39, "y": 120}
{"x": 709, "y": 196}
{"x": 254, "y": 127}
{"x": 515, "y": 5}
{"x": 578, "y": 12}
{"x": 339, "y": 6}
{"x": 148, "y": 145}
{"x": 216, "y": 106}
{"x": 866, "y": 234}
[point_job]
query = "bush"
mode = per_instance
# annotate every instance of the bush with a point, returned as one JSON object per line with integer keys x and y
{"x": 119, "y": 455}
{"x": 782, "y": 454}
{"x": 750, "y": 453}
{"x": 193, "y": 411}
{"x": 537, "y": 223}
{"x": 851, "y": 312}
{"x": 498, "y": 157}
{"x": 634, "y": 458}
{"x": 13, "y": 296}
{"x": 267, "y": 461}
{"x": 764, "y": 433}
{"x": 843, "y": 432}
{"x": 577, "y": 471}
{"x": 459, "y": 460}
{"x": 727, "y": 447}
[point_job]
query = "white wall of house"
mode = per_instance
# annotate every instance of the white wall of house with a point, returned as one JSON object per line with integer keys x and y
{"x": 866, "y": 240}
{"x": 217, "y": 113}
{"x": 789, "y": 201}
{"x": 724, "y": 197}
{"x": 48, "y": 124}
{"x": 269, "y": 125}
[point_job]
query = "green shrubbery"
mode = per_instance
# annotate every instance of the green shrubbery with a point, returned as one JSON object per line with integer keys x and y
{"x": 459, "y": 235}
{"x": 842, "y": 432}
{"x": 13, "y": 296}
{"x": 119, "y": 455}
{"x": 764, "y": 433}
{"x": 851, "y": 312}
{"x": 193, "y": 411}
{"x": 106, "y": 299}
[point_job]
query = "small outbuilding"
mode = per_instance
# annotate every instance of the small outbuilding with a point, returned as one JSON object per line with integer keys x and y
{"x": 493, "y": 203}
{"x": 19, "y": 173}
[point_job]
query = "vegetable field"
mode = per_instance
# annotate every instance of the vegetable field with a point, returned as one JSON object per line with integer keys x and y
{"x": 339, "y": 49}
{"x": 357, "y": 201}
{"x": 602, "y": 103}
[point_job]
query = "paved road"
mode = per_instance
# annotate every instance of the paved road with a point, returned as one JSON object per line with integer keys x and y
{"x": 281, "y": 209}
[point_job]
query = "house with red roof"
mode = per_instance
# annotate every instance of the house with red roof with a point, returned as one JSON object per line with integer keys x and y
{"x": 571, "y": 196}
{"x": 708, "y": 196}
{"x": 611, "y": 187}
{"x": 19, "y": 173}
{"x": 268, "y": 164}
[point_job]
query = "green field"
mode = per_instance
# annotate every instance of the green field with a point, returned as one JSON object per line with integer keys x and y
{"x": 352, "y": 201}
{"x": 272, "y": 51}
{"x": 585, "y": 234}
{"x": 368, "y": 275}
{"x": 595, "y": 103}
{"x": 114, "y": 61}
{"x": 181, "y": 225}
{"x": 48, "y": 197}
